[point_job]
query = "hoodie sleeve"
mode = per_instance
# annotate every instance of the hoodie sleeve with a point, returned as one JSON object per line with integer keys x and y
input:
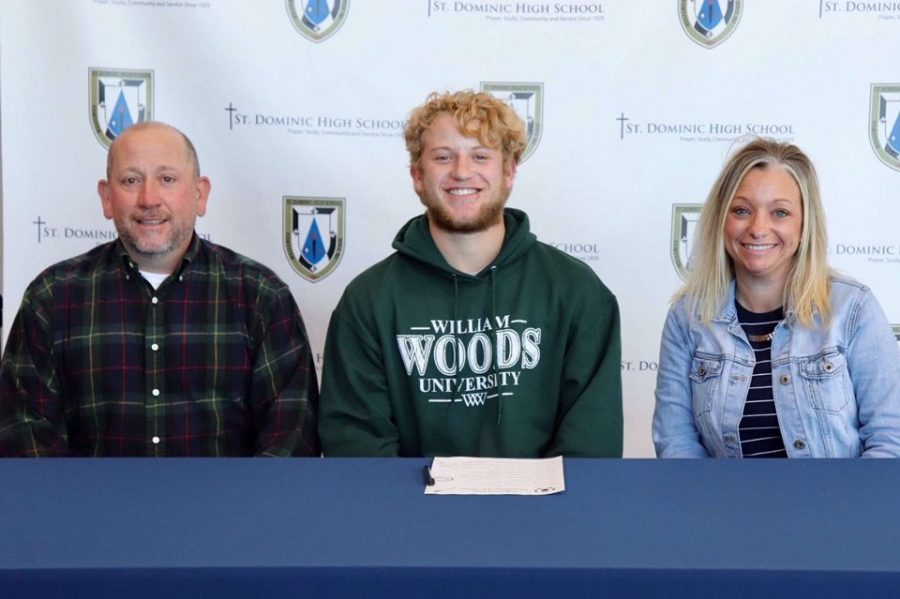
{"x": 590, "y": 422}
{"x": 355, "y": 410}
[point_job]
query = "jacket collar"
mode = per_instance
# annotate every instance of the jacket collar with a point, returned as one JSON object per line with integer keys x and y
{"x": 728, "y": 312}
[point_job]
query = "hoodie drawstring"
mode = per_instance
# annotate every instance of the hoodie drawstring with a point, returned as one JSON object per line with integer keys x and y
{"x": 494, "y": 358}
{"x": 455, "y": 339}
{"x": 459, "y": 358}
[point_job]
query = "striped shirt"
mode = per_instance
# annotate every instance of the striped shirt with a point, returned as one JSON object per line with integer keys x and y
{"x": 215, "y": 362}
{"x": 759, "y": 430}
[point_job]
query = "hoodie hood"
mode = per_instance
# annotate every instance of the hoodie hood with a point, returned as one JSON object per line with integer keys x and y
{"x": 414, "y": 240}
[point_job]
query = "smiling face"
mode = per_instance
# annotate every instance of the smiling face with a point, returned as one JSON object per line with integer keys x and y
{"x": 153, "y": 195}
{"x": 764, "y": 225}
{"x": 463, "y": 184}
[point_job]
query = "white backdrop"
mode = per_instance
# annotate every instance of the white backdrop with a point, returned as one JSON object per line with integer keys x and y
{"x": 635, "y": 113}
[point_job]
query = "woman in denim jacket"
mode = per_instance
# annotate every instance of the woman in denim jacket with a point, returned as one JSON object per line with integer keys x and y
{"x": 766, "y": 352}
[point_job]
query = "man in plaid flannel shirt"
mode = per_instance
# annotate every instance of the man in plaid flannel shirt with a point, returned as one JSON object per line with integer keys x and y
{"x": 159, "y": 343}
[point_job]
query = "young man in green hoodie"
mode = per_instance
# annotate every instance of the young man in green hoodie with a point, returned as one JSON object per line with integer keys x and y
{"x": 473, "y": 338}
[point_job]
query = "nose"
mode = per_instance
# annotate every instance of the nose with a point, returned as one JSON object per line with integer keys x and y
{"x": 759, "y": 224}
{"x": 148, "y": 194}
{"x": 462, "y": 167}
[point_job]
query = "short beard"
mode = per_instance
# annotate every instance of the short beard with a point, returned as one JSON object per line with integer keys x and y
{"x": 443, "y": 219}
{"x": 488, "y": 216}
{"x": 178, "y": 237}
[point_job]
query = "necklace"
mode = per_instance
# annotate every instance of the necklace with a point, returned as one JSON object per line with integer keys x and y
{"x": 758, "y": 338}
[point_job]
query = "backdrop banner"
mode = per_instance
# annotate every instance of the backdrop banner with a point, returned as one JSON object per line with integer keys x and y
{"x": 297, "y": 110}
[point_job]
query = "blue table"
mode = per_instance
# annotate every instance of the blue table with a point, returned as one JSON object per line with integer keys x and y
{"x": 352, "y": 527}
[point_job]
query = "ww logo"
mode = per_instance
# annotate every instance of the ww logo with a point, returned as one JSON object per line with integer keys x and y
{"x": 474, "y": 399}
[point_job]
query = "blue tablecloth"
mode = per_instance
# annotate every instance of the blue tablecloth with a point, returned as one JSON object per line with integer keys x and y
{"x": 363, "y": 527}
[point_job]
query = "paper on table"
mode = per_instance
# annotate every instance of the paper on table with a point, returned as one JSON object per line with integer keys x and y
{"x": 496, "y": 476}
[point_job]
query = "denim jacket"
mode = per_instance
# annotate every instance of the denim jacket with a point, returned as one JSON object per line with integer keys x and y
{"x": 836, "y": 389}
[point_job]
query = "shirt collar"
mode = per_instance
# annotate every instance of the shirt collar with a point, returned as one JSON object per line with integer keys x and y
{"x": 131, "y": 266}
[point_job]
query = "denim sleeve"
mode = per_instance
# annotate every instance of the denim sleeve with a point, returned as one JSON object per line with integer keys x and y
{"x": 674, "y": 433}
{"x": 873, "y": 359}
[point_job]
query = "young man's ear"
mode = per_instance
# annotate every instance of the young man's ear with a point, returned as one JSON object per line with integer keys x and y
{"x": 416, "y": 173}
{"x": 510, "y": 172}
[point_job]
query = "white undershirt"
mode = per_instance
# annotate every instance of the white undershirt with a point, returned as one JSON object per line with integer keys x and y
{"x": 154, "y": 278}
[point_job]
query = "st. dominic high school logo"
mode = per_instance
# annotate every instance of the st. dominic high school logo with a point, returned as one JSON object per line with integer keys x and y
{"x": 709, "y": 22}
{"x": 527, "y": 99}
{"x": 684, "y": 228}
{"x": 314, "y": 235}
{"x": 317, "y": 20}
{"x": 884, "y": 123}
{"x": 119, "y": 98}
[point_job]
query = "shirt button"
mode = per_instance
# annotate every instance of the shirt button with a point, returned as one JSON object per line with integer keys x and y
{"x": 828, "y": 367}
{"x": 799, "y": 444}
{"x": 155, "y": 392}
{"x": 155, "y": 347}
{"x": 154, "y": 300}
{"x": 155, "y": 440}
{"x": 785, "y": 379}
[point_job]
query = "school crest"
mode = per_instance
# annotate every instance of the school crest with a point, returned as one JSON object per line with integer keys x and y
{"x": 527, "y": 99}
{"x": 884, "y": 123}
{"x": 684, "y": 227}
{"x": 709, "y": 22}
{"x": 314, "y": 235}
{"x": 119, "y": 98}
{"x": 317, "y": 20}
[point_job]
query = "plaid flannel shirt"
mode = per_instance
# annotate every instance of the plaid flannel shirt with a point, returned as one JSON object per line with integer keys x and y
{"x": 213, "y": 363}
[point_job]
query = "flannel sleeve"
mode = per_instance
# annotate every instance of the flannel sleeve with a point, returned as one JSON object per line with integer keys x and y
{"x": 32, "y": 421}
{"x": 284, "y": 389}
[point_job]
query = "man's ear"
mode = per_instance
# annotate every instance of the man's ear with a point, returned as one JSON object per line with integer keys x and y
{"x": 203, "y": 187}
{"x": 105, "y": 201}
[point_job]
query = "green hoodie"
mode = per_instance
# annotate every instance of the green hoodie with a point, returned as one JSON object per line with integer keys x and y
{"x": 536, "y": 333}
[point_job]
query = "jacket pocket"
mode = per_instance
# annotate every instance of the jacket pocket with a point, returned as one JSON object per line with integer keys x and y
{"x": 705, "y": 371}
{"x": 827, "y": 380}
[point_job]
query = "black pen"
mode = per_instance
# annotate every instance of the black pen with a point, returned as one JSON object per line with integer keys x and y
{"x": 429, "y": 480}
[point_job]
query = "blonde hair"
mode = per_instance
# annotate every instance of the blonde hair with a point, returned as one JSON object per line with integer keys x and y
{"x": 478, "y": 114}
{"x": 711, "y": 269}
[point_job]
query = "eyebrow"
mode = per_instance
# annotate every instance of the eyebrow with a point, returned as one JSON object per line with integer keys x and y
{"x": 159, "y": 169}
{"x": 774, "y": 201}
{"x": 473, "y": 149}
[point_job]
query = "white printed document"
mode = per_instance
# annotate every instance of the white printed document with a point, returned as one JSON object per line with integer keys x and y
{"x": 495, "y": 476}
